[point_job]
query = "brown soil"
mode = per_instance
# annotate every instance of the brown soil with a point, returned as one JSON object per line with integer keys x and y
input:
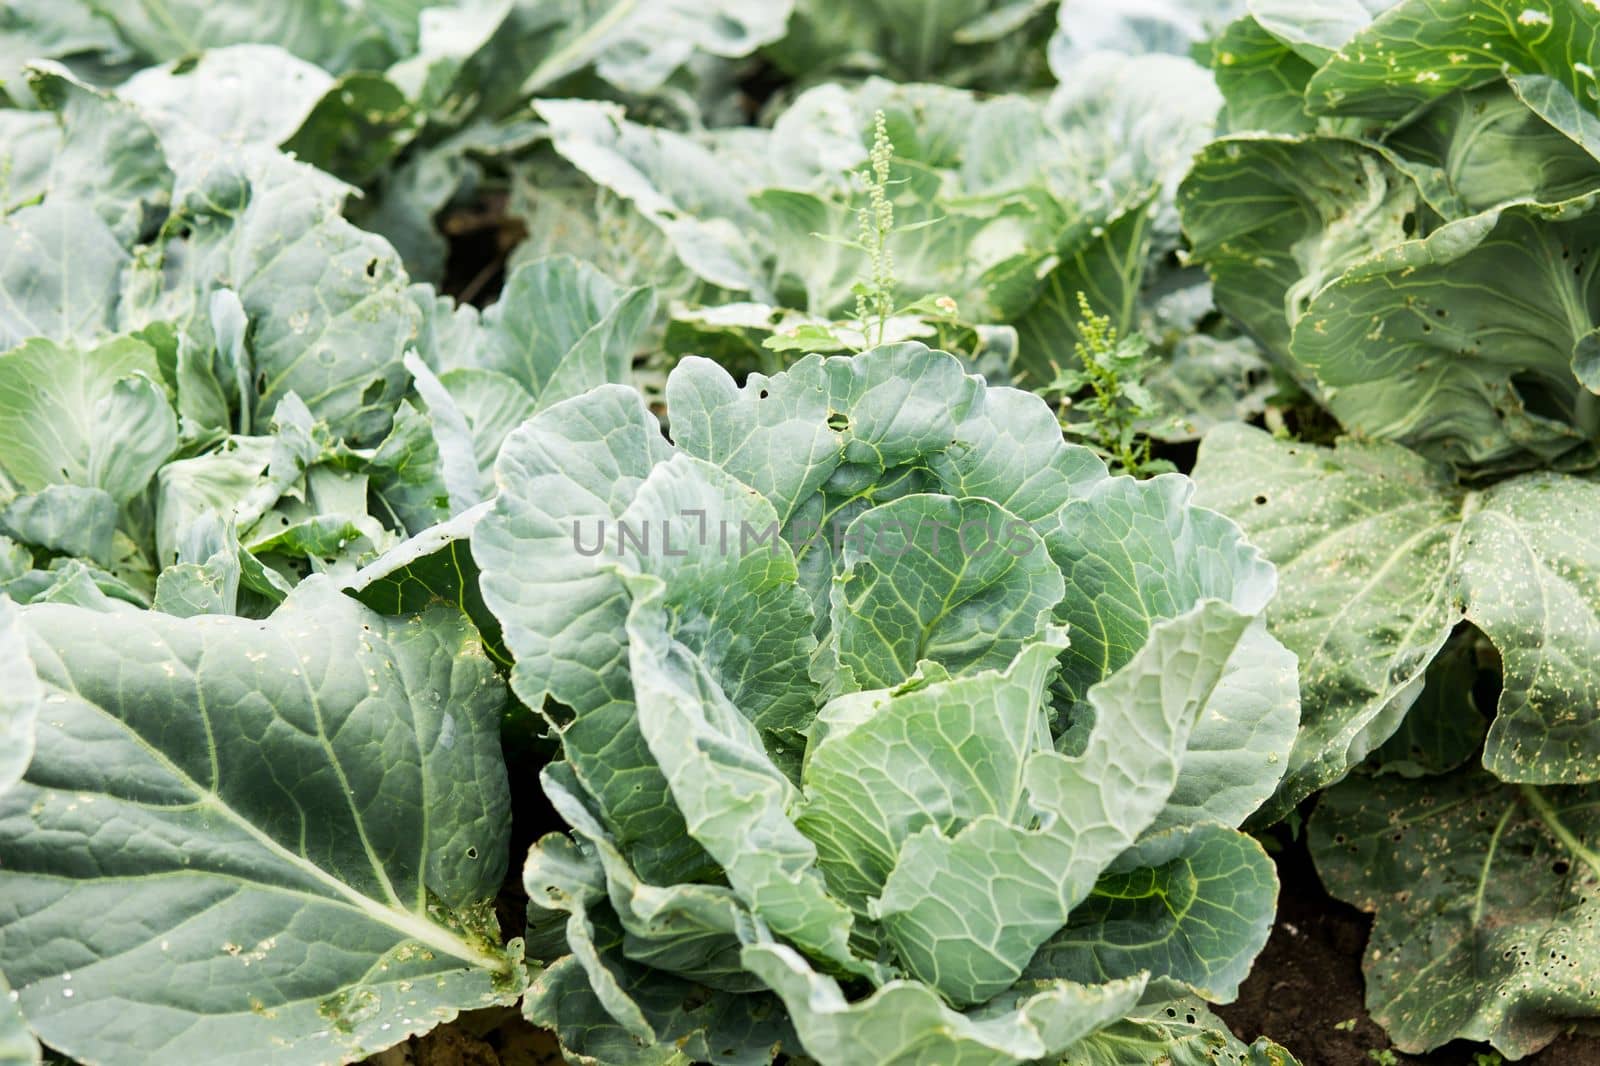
{"x": 1306, "y": 989}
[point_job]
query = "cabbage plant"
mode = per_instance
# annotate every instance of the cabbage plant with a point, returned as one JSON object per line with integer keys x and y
{"x": 893, "y": 728}
{"x": 1404, "y": 214}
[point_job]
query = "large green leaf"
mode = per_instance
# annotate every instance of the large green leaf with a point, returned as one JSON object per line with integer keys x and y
{"x": 65, "y": 520}
{"x": 559, "y": 328}
{"x": 59, "y": 268}
{"x": 95, "y": 418}
{"x": 1123, "y": 580}
{"x": 978, "y": 43}
{"x": 870, "y": 786}
{"x": 1381, "y": 556}
{"x": 1420, "y": 50}
{"x": 1363, "y": 537}
{"x": 1240, "y": 747}
{"x": 643, "y": 1005}
{"x": 327, "y": 303}
{"x": 1195, "y": 904}
{"x": 1139, "y": 26}
{"x": 259, "y": 95}
{"x": 17, "y": 1045}
{"x": 108, "y": 159}
{"x": 733, "y": 798}
{"x": 569, "y": 473}
{"x": 1493, "y": 150}
{"x": 323, "y": 31}
{"x": 905, "y": 1022}
{"x": 1526, "y": 577}
{"x": 1438, "y": 190}
{"x": 963, "y": 583}
{"x": 1173, "y": 1033}
{"x": 1316, "y": 29}
{"x": 286, "y": 842}
{"x": 206, "y": 576}
{"x": 1262, "y": 79}
{"x": 1484, "y": 895}
{"x": 20, "y": 704}
{"x": 694, "y": 197}
{"x": 637, "y": 46}
{"x": 433, "y": 568}
{"x": 52, "y": 29}
{"x": 966, "y": 911}
{"x": 1399, "y": 343}
{"x": 1275, "y": 219}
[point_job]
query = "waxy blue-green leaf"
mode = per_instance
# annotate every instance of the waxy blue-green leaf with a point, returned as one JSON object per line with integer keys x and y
{"x": 286, "y": 842}
{"x": 431, "y": 569}
{"x": 1173, "y": 1033}
{"x": 1262, "y": 79}
{"x": 1123, "y": 578}
{"x": 108, "y": 159}
{"x": 1134, "y": 28}
{"x": 559, "y": 328}
{"x": 17, "y": 1045}
{"x": 871, "y": 785}
{"x": 1239, "y": 748}
{"x": 963, "y": 583}
{"x": 987, "y": 44}
{"x": 206, "y": 576}
{"x": 645, "y": 1004}
{"x": 693, "y": 196}
{"x": 69, "y": 520}
{"x": 1494, "y": 151}
{"x": 94, "y": 418}
{"x": 260, "y": 95}
{"x": 492, "y": 405}
{"x": 689, "y": 930}
{"x": 1316, "y": 29}
{"x": 1382, "y": 556}
{"x": 60, "y": 269}
{"x": 1275, "y": 219}
{"x": 735, "y": 801}
{"x": 1484, "y": 895}
{"x": 1420, "y": 50}
{"x": 569, "y": 474}
{"x": 1398, "y": 344}
{"x": 905, "y": 1022}
{"x": 966, "y": 911}
{"x": 1194, "y": 904}
{"x": 19, "y": 705}
{"x": 220, "y": 94}
{"x": 327, "y": 304}
{"x": 52, "y": 29}
{"x": 571, "y": 520}
{"x": 1363, "y": 538}
{"x": 324, "y": 32}
{"x": 637, "y": 47}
